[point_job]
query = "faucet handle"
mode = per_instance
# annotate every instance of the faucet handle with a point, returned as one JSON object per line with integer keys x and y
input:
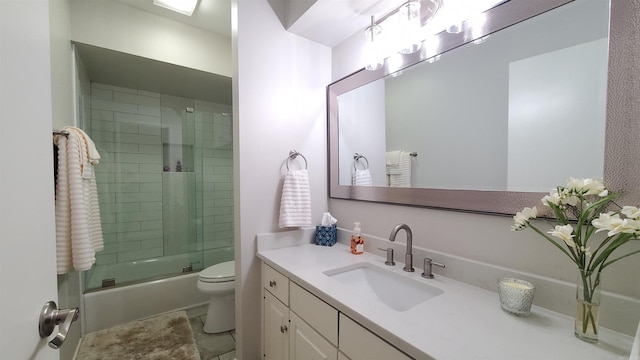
{"x": 389, "y": 261}
{"x": 428, "y": 268}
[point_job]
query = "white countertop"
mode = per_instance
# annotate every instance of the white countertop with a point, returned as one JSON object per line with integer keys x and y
{"x": 464, "y": 322}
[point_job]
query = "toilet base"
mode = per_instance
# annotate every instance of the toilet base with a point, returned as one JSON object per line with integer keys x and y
{"x": 220, "y": 315}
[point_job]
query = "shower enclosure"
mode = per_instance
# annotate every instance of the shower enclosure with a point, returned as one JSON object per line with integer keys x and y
{"x": 165, "y": 184}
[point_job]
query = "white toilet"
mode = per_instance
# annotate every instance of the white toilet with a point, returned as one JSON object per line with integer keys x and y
{"x": 219, "y": 282}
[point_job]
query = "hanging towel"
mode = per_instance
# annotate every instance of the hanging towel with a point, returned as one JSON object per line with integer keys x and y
{"x": 399, "y": 175}
{"x": 295, "y": 204}
{"x": 78, "y": 226}
{"x": 362, "y": 177}
{"x": 393, "y": 158}
{"x": 91, "y": 154}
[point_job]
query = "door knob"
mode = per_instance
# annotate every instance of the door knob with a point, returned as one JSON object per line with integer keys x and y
{"x": 50, "y": 316}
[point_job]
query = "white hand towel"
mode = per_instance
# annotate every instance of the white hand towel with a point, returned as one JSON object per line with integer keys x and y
{"x": 295, "y": 204}
{"x": 393, "y": 158}
{"x": 362, "y": 177}
{"x": 78, "y": 226}
{"x": 400, "y": 176}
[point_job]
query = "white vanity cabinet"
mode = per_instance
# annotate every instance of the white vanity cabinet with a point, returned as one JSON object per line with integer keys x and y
{"x": 297, "y": 325}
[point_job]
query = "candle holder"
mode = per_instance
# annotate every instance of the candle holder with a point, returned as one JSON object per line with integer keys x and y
{"x": 515, "y": 295}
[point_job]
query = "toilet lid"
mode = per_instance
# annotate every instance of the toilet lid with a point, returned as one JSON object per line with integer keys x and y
{"x": 219, "y": 272}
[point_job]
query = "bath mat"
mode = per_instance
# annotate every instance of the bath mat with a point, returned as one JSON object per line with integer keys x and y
{"x": 163, "y": 337}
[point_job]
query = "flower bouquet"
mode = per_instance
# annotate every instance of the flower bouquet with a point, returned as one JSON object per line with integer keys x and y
{"x": 580, "y": 210}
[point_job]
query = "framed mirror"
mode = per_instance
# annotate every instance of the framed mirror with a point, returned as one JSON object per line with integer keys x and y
{"x": 487, "y": 122}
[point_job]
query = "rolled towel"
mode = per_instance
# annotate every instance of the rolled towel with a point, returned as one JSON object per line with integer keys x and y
{"x": 362, "y": 177}
{"x": 295, "y": 204}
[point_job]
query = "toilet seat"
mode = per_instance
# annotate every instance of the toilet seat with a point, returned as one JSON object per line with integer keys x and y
{"x": 219, "y": 273}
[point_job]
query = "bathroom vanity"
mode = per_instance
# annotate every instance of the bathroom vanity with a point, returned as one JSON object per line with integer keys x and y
{"x": 325, "y": 303}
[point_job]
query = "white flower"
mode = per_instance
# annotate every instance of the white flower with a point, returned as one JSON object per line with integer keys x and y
{"x": 628, "y": 226}
{"x": 607, "y": 221}
{"x": 615, "y": 224}
{"x": 631, "y": 212}
{"x": 552, "y": 198}
{"x": 586, "y": 251}
{"x": 571, "y": 200}
{"x": 521, "y": 219}
{"x": 586, "y": 187}
{"x": 564, "y": 232}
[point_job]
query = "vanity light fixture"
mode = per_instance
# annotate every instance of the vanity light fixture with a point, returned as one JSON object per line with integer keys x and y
{"x": 410, "y": 22}
{"x": 374, "y": 58}
{"x": 402, "y": 30}
{"x": 184, "y": 7}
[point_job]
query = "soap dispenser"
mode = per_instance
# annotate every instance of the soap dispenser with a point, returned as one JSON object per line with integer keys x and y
{"x": 357, "y": 241}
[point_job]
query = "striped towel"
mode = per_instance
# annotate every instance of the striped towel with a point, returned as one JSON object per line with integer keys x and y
{"x": 78, "y": 226}
{"x": 295, "y": 204}
{"x": 399, "y": 174}
{"x": 362, "y": 177}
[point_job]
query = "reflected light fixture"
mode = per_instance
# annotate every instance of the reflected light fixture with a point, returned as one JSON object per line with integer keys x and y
{"x": 409, "y": 14}
{"x": 184, "y": 7}
{"x": 374, "y": 58}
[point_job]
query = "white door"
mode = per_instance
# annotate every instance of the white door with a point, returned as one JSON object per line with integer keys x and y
{"x": 27, "y": 238}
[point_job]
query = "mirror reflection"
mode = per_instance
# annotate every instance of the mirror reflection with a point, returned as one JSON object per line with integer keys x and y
{"x": 520, "y": 110}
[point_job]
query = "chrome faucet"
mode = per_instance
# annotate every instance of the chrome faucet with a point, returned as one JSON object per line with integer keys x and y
{"x": 408, "y": 256}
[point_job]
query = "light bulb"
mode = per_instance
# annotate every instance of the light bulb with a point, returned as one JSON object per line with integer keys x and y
{"x": 373, "y": 47}
{"x": 410, "y": 23}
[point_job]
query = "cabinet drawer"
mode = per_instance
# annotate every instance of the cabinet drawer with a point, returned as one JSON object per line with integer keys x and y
{"x": 275, "y": 283}
{"x": 320, "y": 315}
{"x": 359, "y": 343}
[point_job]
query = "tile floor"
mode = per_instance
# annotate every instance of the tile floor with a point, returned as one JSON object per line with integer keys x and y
{"x": 220, "y": 346}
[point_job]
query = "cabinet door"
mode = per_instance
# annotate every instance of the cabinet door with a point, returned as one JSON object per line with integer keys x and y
{"x": 307, "y": 344}
{"x": 359, "y": 343}
{"x": 276, "y": 328}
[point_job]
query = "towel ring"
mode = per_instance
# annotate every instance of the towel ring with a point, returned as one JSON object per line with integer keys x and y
{"x": 294, "y": 154}
{"x": 357, "y": 157}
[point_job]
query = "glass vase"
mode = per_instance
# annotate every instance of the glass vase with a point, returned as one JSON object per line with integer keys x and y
{"x": 588, "y": 292}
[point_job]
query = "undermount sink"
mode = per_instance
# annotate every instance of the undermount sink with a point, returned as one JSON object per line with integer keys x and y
{"x": 398, "y": 292}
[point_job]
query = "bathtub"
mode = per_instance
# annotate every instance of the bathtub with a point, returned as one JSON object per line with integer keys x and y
{"x": 112, "y": 306}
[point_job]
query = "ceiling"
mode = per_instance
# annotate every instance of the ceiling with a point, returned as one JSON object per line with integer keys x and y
{"x": 210, "y": 15}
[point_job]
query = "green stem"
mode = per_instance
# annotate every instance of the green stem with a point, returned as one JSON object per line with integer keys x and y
{"x": 573, "y": 258}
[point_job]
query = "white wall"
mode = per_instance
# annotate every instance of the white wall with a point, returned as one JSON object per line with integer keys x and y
{"x": 112, "y": 25}
{"x": 485, "y": 238}
{"x": 279, "y": 105}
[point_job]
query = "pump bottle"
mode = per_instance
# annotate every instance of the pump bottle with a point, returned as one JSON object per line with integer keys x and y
{"x": 357, "y": 241}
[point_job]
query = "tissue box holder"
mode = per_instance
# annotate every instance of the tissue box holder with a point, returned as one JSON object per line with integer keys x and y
{"x": 326, "y": 235}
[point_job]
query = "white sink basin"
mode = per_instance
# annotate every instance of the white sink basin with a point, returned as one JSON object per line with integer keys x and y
{"x": 394, "y": 290}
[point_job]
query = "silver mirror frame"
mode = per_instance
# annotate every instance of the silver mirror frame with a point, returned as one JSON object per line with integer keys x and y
{"x": 622, "y": 168}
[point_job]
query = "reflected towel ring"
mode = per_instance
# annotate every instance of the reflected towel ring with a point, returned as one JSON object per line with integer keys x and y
{"x": 294, "y": 154}
{"x": 357, "y": 157}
